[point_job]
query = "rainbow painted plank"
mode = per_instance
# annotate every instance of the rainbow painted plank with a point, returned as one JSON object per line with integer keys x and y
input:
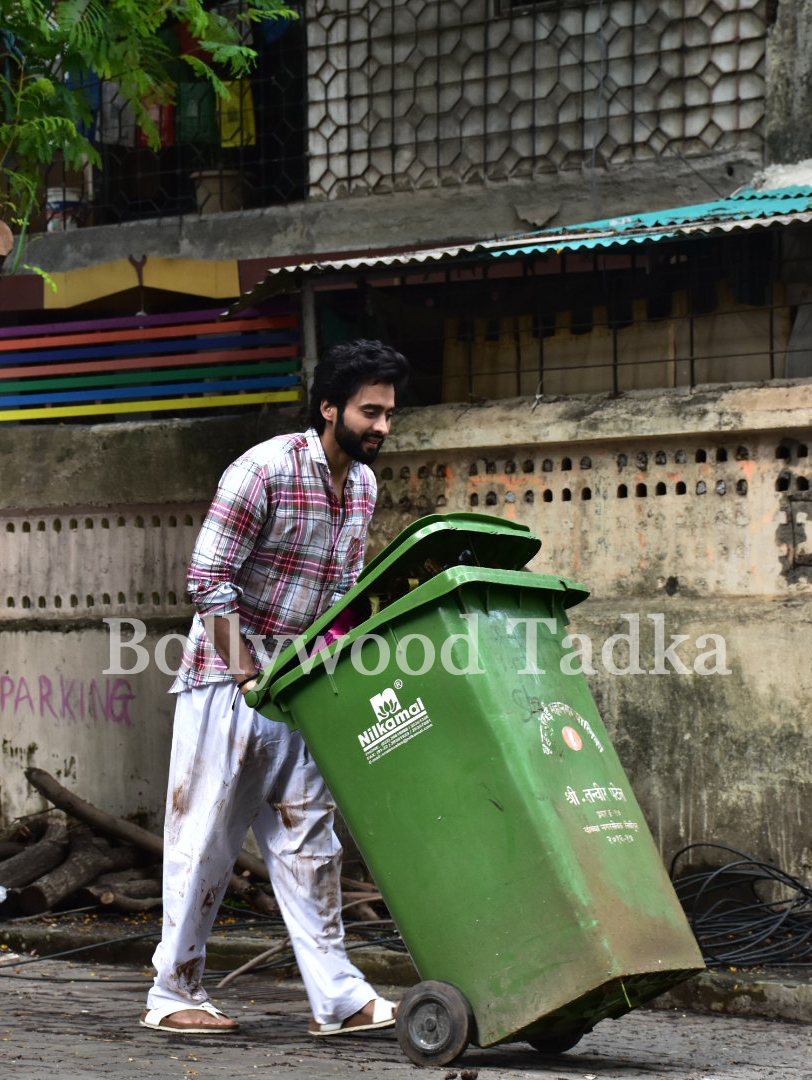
{"x": 148, "y": 364}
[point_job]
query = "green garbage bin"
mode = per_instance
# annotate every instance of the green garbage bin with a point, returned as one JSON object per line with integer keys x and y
{"x": 480, "y": 785}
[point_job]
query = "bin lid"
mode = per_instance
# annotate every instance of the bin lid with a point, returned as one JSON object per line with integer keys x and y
{"x": 290, "y": 669}
{"x": 423, "y": 549}
{"x": 445, "y": 540}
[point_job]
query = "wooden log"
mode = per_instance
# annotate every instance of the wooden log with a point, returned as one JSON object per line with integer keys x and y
{"x": 26, "y": 829}
{"x": 9, "y": 848}
{"x": 145, "y": 888}
{"x": 117, "y": 827}
{"x": 89, "y": 856}
{"x": 137, "y": 873}
{"x": 37, "y": 859}
{"x": 119, "y": 901}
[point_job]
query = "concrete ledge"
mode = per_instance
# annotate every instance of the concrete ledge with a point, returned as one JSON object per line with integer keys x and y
{"x": 782, "y": 995}
{"x": 224, "y": 951}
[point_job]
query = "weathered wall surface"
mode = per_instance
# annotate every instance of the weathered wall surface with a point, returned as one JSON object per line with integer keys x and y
{"x": 711, "y": 534}
{"x": 788, "y": 130}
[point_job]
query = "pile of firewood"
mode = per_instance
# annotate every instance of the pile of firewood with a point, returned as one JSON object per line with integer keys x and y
{"x": 80, "y": 856}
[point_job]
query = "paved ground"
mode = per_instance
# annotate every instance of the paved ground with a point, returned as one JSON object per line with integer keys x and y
{"x": 77, "y": 1022}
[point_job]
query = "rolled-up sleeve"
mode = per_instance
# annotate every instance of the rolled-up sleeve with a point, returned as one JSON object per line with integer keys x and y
{"x": 229, "y": 532}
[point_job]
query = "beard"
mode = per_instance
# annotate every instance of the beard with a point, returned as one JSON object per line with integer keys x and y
{"x": 353, "y": 444}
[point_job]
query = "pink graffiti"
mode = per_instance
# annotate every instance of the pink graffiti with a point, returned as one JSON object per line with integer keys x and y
{"x": 68, "y": 699}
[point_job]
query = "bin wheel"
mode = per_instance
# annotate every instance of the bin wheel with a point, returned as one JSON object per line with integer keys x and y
{"x": 556, "y": 1044}
{"x": 434, "y": 1023}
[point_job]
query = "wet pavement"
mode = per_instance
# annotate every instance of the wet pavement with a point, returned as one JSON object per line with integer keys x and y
{"x": 76, "y": 1021}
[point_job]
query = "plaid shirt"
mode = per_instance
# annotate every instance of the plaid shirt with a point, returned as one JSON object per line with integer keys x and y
{"x": 276, "y": 546}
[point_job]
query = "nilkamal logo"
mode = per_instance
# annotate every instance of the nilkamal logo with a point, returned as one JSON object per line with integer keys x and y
{"x": 394, "y": 724}
{"x": 385, "y": 704}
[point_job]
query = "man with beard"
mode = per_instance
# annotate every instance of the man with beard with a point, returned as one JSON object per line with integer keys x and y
{"x": 283, "y": 540}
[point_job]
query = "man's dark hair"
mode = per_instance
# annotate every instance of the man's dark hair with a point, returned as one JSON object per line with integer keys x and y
{"x": 347, "y": 367}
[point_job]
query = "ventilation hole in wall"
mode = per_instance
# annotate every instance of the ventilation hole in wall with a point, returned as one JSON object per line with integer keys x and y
{"x": 680, "y": 488}
{"x": 782, "y": 451}
{"x": 10, "y": 601}
{"x": 586, "y": 494}
{"x": 547, "y": 496}
{"x": 386, "y": 474}
{"x": 490, "y": 498}
{"x": 742, "y": 453}
{"x": 42, "y": 602}
{"x": 660, "y": 458}
{"x": 546, "y": 465}
{"x": 566, "y": 495}
{"x": 474, "y": 500}
{"x": 442, "y": 471}
{"x": 701, "y": 488}
{"x": 156, "y": 521}
{"x": 641, "y": 491}
{"x": 510, "y": 467}
{"x": 121, "y": 522}
{"x": 660, "y": 489}
{"x": 26, "y": 601}
{"x": 510, "y": 497}
{"x": 57, "y": 601}
{"x": 57, "y": 525}
{"x": 802, "y": 484}
{"x": 622, "y": 461}
{"x": 529, "y": 497}
{"x": 700, "y": 456}
{"x": 642, "y": 460}
{"x": 423, "y": 504}
{"x": 405, "y": 473}
{"x": 803, "y": 451}
{"x": 721, "y": 453}
{"x": 26, "y": 526}
{"x": 404, "y": 504}
{"x": 10, "y": 526}
{"x": 187, "y": 519}
{"x": 105, "y": 523}
{"x": 139, "y": 598}
{"x": 171, "y": 598}
{"x": 88, "y": 523}
{"x": 385, "y": 499}
{"x": 40, "y": 526}
{"x": 89, "y": 601}
{"x": 473, "y": 470}
{"x": 490, "y": 467}
{"x": 74, "y": 600}
{"x": 623, "y": 492}
{"x": 680, "y": 457}
{"x": 586, "y": 463}
{"x": 121, "y": 598}
{"x": 741, "y": 487}
{"x": 423, "y": 472}
{"x": 156, "y": 598}
{"x": 139, "y": 522}
{"x": 566, "y": 464}
{"x": 105, "y": 598}
{"x": 528, "y": 466}
{"x": 721, "y": 487}
{"x": 442, "y": 501}
{"x": 782, "y": 483}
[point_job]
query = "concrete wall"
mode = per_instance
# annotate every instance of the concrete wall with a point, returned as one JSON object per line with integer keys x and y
{"x": 722, "y": 757}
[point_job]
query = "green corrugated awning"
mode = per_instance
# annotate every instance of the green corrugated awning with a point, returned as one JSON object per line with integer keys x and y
{"x": 746, "y": 209}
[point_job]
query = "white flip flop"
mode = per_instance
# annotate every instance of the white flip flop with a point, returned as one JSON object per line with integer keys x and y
{"x": 383, "y": 1016}
{"x": 153, "y": 1019}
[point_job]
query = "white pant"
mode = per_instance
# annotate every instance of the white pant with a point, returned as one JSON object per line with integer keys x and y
{"x": 231, "y": 768}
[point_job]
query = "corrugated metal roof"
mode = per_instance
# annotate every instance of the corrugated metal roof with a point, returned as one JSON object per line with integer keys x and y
{"x": 746, "y": 209}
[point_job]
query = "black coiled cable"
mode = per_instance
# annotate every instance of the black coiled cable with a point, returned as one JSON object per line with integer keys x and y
{"x": 745, "y": 912}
